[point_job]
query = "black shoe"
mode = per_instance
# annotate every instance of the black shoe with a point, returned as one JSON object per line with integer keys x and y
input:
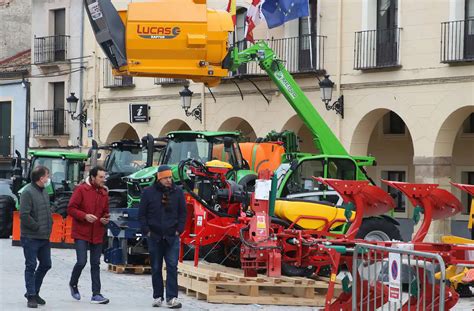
{"x": 32, "y": 303}
{"x": 40, "y": 300}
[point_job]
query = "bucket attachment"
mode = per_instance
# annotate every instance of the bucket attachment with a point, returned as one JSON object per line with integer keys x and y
{"x": 435, "y": 203}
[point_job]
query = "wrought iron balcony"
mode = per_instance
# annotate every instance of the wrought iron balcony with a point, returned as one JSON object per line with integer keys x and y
{"x": 170, "y": 81}
{"x": 111, "y": 81}
{"x": 51, "y": 49}
{"x": 50, "y": 122}
{"x": 457, "y": 41}
{"x": 375, "y": 49}
{"x": 301, "y": 54}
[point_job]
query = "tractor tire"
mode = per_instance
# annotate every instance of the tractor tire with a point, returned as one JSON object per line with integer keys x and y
{"x": 378, "y": 229}
{"x": 7, "y": 206}
{"x": 59, "y": 205}
{"x": 248, "y": 182}
{"x": 116, "y": 201}
{"x": 290, "y": 270}
{"x": 208, "y": 252}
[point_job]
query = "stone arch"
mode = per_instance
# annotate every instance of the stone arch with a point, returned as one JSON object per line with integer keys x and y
{"x": 239, "y": 124}
{"x": 394, "y": 154}
{"x": 122, "y": 131}
{"x": 174, "y": 125}
{"x": 450, "y": 130}
{"x": 306, "y": 138}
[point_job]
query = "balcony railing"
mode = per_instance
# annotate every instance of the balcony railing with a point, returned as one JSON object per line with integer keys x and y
{"x": 51, "y": 49}
{"x": 457, "y": 41}
{"x": 50, "y": 122}
{"x": 111, "y": 81}
{"x": 301, "y": 54}
{"x": 170, "y": 81}
{"x": 6, "y": 146}
{"x": 377, "y": 49}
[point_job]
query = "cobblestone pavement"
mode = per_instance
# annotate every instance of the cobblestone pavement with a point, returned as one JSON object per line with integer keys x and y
{"x": 125, "y": 291}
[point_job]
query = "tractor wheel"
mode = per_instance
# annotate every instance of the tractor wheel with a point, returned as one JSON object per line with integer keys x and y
{"x": 248, "y": 182}
{"x": 378, "y": 229}
{"x": 290, "y": 270}
{"x": 7, "y": 206}
{"x": 116, "y": 201}
{"x": 208, "y": 252}
{"x": 59, "y": 206}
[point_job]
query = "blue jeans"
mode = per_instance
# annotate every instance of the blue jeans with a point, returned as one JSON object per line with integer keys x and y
{"x": 166, "y": 248}
{"x": 81, "y": 254}
{"x": 35, "y": 249}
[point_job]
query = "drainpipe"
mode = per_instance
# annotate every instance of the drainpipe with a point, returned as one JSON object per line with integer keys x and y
{"x": 27, "y": 115}
{"x": 81, "y": 73}
{"x": 339, "y": 63}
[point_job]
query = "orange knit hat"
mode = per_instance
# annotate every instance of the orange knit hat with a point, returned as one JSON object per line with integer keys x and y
{"x": 163, "y": 172}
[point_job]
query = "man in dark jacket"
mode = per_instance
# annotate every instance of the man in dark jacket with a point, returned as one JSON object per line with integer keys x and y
{"x": 89, "y": 209}
{"x": 36, "y": 224}
{"x": 162, "y": 215}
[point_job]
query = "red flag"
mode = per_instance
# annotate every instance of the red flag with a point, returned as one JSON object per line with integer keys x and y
{"x": 232, "y": 9}
{"x": 254, "y": 17}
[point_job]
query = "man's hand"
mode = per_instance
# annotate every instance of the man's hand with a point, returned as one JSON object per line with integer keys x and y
{"x": 90, "y": 218}
{"x": 105, "y": 220}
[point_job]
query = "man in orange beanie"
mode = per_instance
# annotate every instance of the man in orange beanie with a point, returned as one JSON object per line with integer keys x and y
{"x": 162, "y": 215}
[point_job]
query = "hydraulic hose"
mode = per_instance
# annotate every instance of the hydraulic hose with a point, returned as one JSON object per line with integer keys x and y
{"x": 253, "y": 245}
{"x": 181, "y": 166}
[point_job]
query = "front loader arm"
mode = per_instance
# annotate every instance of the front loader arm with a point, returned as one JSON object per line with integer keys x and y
{"x": 324, "y": 138}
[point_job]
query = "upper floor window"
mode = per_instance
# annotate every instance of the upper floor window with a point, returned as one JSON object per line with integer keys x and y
{"x": 393, "y": 124}
{"x": 468, "y": 126}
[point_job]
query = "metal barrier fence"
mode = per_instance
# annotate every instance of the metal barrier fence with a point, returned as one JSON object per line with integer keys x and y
{"x": 390, "y": 278}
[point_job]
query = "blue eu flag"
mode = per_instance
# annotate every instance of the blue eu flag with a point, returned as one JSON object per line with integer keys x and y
{"x": 278, "y": 12}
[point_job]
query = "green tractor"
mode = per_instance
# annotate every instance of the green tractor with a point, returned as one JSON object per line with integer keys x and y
{"x": 66, "y": 171}
{"x": 125, "y": 157}
{"x": 198, "y": 145}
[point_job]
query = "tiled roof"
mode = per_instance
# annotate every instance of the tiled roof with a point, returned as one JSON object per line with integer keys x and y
{"x": 19, "y": 62}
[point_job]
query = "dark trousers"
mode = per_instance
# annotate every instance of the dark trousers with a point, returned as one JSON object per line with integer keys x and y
{"x": 81, "y": 254}
{"x": 35, "y": 249}
{"x": 166, "y": 248}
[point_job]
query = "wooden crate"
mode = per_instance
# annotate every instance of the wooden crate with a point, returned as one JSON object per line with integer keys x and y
{"x": 140, "y": 269}
{"x": 219, "y": 284}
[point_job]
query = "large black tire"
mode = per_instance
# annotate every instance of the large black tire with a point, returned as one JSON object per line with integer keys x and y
{"x": 59, "y": 205}
{"x": 248, "y": 182}
{"x": 7, "y": 206}
{"x": 378, "y": 229}
{"x": 290, "y": 270}
{"x": 208, "y": 252}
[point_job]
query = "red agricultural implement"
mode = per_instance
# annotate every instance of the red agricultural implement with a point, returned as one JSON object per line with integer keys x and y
{"x": 222, "y": 219}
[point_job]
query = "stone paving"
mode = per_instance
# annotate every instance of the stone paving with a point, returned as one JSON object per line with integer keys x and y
{"x": 125, "y": 291}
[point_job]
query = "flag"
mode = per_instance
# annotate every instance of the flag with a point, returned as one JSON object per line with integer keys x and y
{"x": 278, "y": 12}
{"x": 232, "y": 9}
{"x": 254, "y": 17}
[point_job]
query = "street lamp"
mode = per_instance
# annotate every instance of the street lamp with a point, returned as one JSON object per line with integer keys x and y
{"x": 72, "y": 101}
{"x": 326, "y": 86}
{"x": 186, "y": 96}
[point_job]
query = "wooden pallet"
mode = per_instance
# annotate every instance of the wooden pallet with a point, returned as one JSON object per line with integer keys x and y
{"x": 119, "y": 269}
{"x": 219, "y": 284}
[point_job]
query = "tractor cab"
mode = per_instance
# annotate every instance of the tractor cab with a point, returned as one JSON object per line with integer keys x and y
{"x": 125, "y": 158}
{"x": 66, "y": 169}
{"x": 296, "y": 182}
{"x": 204, "y": 147}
